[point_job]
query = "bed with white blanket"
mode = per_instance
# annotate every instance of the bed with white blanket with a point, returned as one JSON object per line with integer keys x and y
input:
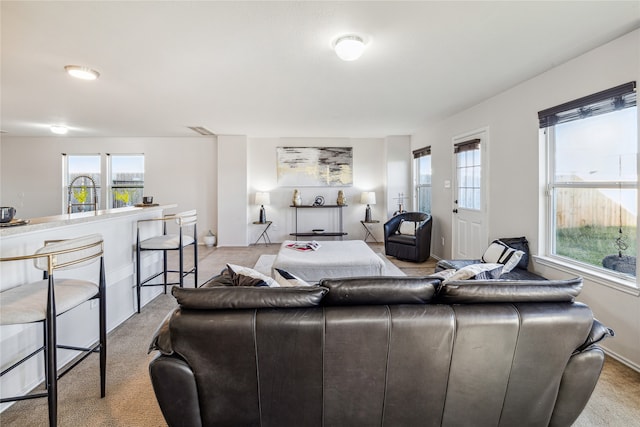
{"x": 346, "y": 258}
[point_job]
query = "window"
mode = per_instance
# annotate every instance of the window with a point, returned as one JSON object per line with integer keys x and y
{"x": 126, "y": 183}
{"x": 468, "y": 174}
{"x": 592, "y": 180}
{"x": 422, "y": 168}
{"x": 81, "y": 174}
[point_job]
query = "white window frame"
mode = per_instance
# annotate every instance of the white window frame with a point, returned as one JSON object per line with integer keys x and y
{"x": 111, "y": 187}
{"x": 66, "y": 181}
{"x": 600, "y": 275}
{"x": 417, "y": 155}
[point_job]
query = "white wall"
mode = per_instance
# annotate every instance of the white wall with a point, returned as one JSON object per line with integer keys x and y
{"x": 398, "y": 171}
{"x": 232, "y": 190}
{"x": 368, "y": 162}
{"x": 177, "y": 170}
{"x": 515, "y": 194}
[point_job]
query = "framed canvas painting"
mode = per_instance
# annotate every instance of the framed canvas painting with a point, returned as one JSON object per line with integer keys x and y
{"x": 315, "y": 166}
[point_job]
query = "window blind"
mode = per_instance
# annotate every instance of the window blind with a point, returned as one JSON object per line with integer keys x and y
{"x": 606, "y": 101}
{"x": 421, "y": 152}
{"x": 470, "y": 145}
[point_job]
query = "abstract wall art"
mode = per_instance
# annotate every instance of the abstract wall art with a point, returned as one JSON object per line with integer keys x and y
{"x": 315, "y": 166}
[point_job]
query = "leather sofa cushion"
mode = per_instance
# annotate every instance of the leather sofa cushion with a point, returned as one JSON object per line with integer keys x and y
{"x": 379, "y": 290}
{"x": 491, "y": 291}
{"x": 241, "y": 297}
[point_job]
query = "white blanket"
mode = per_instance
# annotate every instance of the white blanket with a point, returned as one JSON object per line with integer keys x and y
{"x": 349, "y": 258}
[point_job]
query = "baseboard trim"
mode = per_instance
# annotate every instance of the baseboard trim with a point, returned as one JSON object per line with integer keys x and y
{"x": 621, "y": 359}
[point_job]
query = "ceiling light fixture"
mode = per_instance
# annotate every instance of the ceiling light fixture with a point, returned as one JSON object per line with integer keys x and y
{"x": 349, "y": 48}
{"x": 80, "y": 72}
{"x": 59, "y": 129}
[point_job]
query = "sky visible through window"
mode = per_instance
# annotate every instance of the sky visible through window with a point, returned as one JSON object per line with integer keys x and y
{"x": 600, "y": 149}
{"x": 81, "y": 164}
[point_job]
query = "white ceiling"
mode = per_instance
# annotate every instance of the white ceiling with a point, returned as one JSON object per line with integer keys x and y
{"x": 266, "y": 69}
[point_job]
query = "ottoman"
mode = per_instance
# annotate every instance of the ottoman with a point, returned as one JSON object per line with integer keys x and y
{"x": 346, "y": 258}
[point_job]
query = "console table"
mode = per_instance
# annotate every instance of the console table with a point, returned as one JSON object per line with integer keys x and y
{"x": 340, "y": 233}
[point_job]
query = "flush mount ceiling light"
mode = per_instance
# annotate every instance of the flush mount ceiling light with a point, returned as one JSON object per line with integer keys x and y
{"x": 59, "y": 129}
{"x": 349, "y": 48}
{"x": 80, "y": 72}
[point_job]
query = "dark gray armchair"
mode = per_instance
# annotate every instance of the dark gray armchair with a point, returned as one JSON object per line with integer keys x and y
{"x": 407, "y": 236}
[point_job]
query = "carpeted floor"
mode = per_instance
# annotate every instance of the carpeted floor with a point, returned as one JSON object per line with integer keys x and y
{"x": 130, "y": 400}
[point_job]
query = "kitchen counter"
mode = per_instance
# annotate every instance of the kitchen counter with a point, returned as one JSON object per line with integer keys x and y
{"x": 54, "y": 221}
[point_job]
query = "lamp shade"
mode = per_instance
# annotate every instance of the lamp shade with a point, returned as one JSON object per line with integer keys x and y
{"x": 262, "y": 198}
{"x": 368, "y": 198}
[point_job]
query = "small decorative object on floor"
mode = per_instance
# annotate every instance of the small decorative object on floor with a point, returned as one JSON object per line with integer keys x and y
{"x": 319, "y": 201}
{"x": 340, "y": 201}
{"x": 297, "y": 198}
{"x": 210, "y": 239}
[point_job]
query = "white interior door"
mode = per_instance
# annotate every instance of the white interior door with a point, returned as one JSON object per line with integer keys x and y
{"x": 469, "y": 232}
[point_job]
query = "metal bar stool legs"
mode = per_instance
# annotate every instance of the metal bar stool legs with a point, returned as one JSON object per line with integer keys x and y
{"x": 36, "y": 302}
{"x": 165, "y": 243}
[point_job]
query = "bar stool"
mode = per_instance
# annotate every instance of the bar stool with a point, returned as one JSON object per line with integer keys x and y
{"x": 44, "y": 300}
{"x": 168, "y": 242}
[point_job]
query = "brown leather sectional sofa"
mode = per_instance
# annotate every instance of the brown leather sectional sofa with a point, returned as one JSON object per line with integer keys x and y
{"x": 378, "y": 351}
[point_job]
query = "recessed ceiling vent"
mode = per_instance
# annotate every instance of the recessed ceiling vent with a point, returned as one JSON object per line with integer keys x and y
{"x": 201, "y": 130}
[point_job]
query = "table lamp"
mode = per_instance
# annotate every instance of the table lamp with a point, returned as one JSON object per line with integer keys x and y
{"x": 368, "y": 198}
{"x": 262, "y": 198}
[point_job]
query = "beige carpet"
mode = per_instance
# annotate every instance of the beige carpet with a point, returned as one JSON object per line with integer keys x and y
{"x": 130, "y": 400}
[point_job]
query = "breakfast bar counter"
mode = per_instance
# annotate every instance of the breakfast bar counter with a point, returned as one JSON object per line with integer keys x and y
{"x": 118, "y": 229}
{"x": 55, "y": 221}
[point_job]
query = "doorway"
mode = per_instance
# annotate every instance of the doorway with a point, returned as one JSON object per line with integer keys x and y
{"x": 469, "y": 221}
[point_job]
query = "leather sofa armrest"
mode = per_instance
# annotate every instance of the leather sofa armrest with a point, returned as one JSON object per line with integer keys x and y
{"x": 597, "y": 333}
{"x": 576, "y": 386}
{"x": 580, "y": 377}
{"x": 175, "y": 387}
{"x": 391, "y": 226}
{"x": 161, "y": 340}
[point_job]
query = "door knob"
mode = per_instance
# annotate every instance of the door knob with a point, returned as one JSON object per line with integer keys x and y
{"x": 455, "y": 211}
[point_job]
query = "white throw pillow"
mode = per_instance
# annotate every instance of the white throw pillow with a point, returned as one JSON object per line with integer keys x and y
{"x": 474, "y": 270}
{"x": 286, "y": 279}
{"x": 444, "y": 274}
{"x": 408, "y": 228}
{"x": 502, "y": 253}
{"x": 239, "y": 273}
